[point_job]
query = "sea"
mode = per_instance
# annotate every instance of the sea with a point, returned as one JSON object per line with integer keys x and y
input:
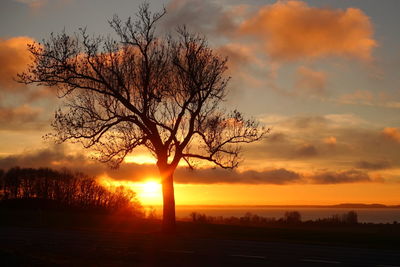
{"x": 365, "y": 215}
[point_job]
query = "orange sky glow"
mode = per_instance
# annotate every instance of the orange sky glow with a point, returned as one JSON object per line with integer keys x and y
{"x": 149, "y": 193}
{"x": 323, "y": 75}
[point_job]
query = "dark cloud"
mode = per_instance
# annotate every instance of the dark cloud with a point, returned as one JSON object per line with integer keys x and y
{"x": 378, "y": 165}
{"x": 334, "y": 141}
{"x": 276, "y": 137}
{"x": 198, "y": 15}
{"x": 238, "y": 56}
{"x": 306, "y": 151}
{"x": 59, "y": 156}
{"x": 350, "y": 176}
{"x": 20, "y": 118}
{"x": 205, "y": 17}
{"x": 306, "y": 122}
{"x": 214, "y": 176}
{"x": 54, "y": 156}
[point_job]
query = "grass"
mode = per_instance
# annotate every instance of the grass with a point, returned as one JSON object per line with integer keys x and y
{"x": 373, "y": 236}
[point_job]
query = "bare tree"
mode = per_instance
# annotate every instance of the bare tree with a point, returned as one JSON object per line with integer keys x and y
{"x": 143, "y": 89}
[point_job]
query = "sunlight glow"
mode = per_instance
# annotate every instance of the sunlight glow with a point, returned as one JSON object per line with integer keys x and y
{"x": 148, "y": 192}
{"x": 140, "y": 159}
{"x": 149, "y": 159}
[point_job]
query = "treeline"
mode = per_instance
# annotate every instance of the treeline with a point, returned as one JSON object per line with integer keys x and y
{"x": 46, "y": 188}
{"x": 289, "y": 218}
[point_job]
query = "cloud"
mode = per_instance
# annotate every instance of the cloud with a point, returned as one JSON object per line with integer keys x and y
{"x": 344, "y": 120}
{"x": 276, "y": 137}
{"x": 392, "y": 134}
{"x": 310, "y": 82}
{"x": 378, "y": 165}
{"x": 54, "y": 156}
{"x": 244, "y": 66}
{"x": 238, "y": 55}
{"x": 314, "y": 122}
{"x": 38, "y": 4}
{"x": 306, "y": 150}
{"x": 34, "y": 4}
{"x": 20, "y": 118}
{"x": 358, "y": 97}
{"x": 370, "y": 98}
{"x": 331, "y": 140}
{"x": 351, "y": 176}
{"x": 61, "y": 156}
{"x": 292, "y": 30}
{"x": 230, "y": 18}
{"x": 289, "y": 155}
{"x": 205, "y": 16}
{"x": 212, "y": 176}
{"x": 14, "y": 57}
{"x": 200, "y": 16}
{"x": 284, "y": 31}
{"x": 305, "y": 122}
{"x": 393, "y": 104}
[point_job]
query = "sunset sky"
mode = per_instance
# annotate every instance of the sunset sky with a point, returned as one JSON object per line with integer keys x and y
{"x": 323, "y": 75}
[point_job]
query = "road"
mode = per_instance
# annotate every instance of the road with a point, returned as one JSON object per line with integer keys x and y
{"x": 41, "y": 247}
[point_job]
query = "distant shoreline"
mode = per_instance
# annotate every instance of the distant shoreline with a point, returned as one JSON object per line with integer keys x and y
{"x": 343, "y": 205}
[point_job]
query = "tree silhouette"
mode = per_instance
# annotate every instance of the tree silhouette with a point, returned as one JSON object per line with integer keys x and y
{"x": 292, "y": 217}
{"x": 143, "y": 89}
{"x": 47, "y": 188}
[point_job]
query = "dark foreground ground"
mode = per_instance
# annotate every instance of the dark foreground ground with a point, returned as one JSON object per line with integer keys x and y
{"x": 86, "y": 240}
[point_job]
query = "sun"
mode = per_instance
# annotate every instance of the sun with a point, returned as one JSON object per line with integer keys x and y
{"x": 149, "y": 192}
{"x": 151, "y": 187}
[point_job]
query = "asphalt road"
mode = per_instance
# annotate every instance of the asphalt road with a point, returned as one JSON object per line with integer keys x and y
{"x": 56, "y": 247}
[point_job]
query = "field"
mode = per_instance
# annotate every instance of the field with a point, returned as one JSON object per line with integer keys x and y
{"x": 52, "y": 238}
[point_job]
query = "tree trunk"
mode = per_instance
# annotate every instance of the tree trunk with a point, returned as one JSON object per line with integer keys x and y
{"x": 168, "y": 223}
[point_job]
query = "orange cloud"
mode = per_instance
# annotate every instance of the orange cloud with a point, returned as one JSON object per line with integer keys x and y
{"x": 358, "y": 97}
{"x": 311, "y": 81}
{"x": 330, "y": 140}
{"x": 238, "y": 55}
{"x": 370, "y": 98}
{"x": 14, "y": 57}
{"x": 392, "y": 133}
{"x": 350, "y": 176}
{"x": 292, "y": 30}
